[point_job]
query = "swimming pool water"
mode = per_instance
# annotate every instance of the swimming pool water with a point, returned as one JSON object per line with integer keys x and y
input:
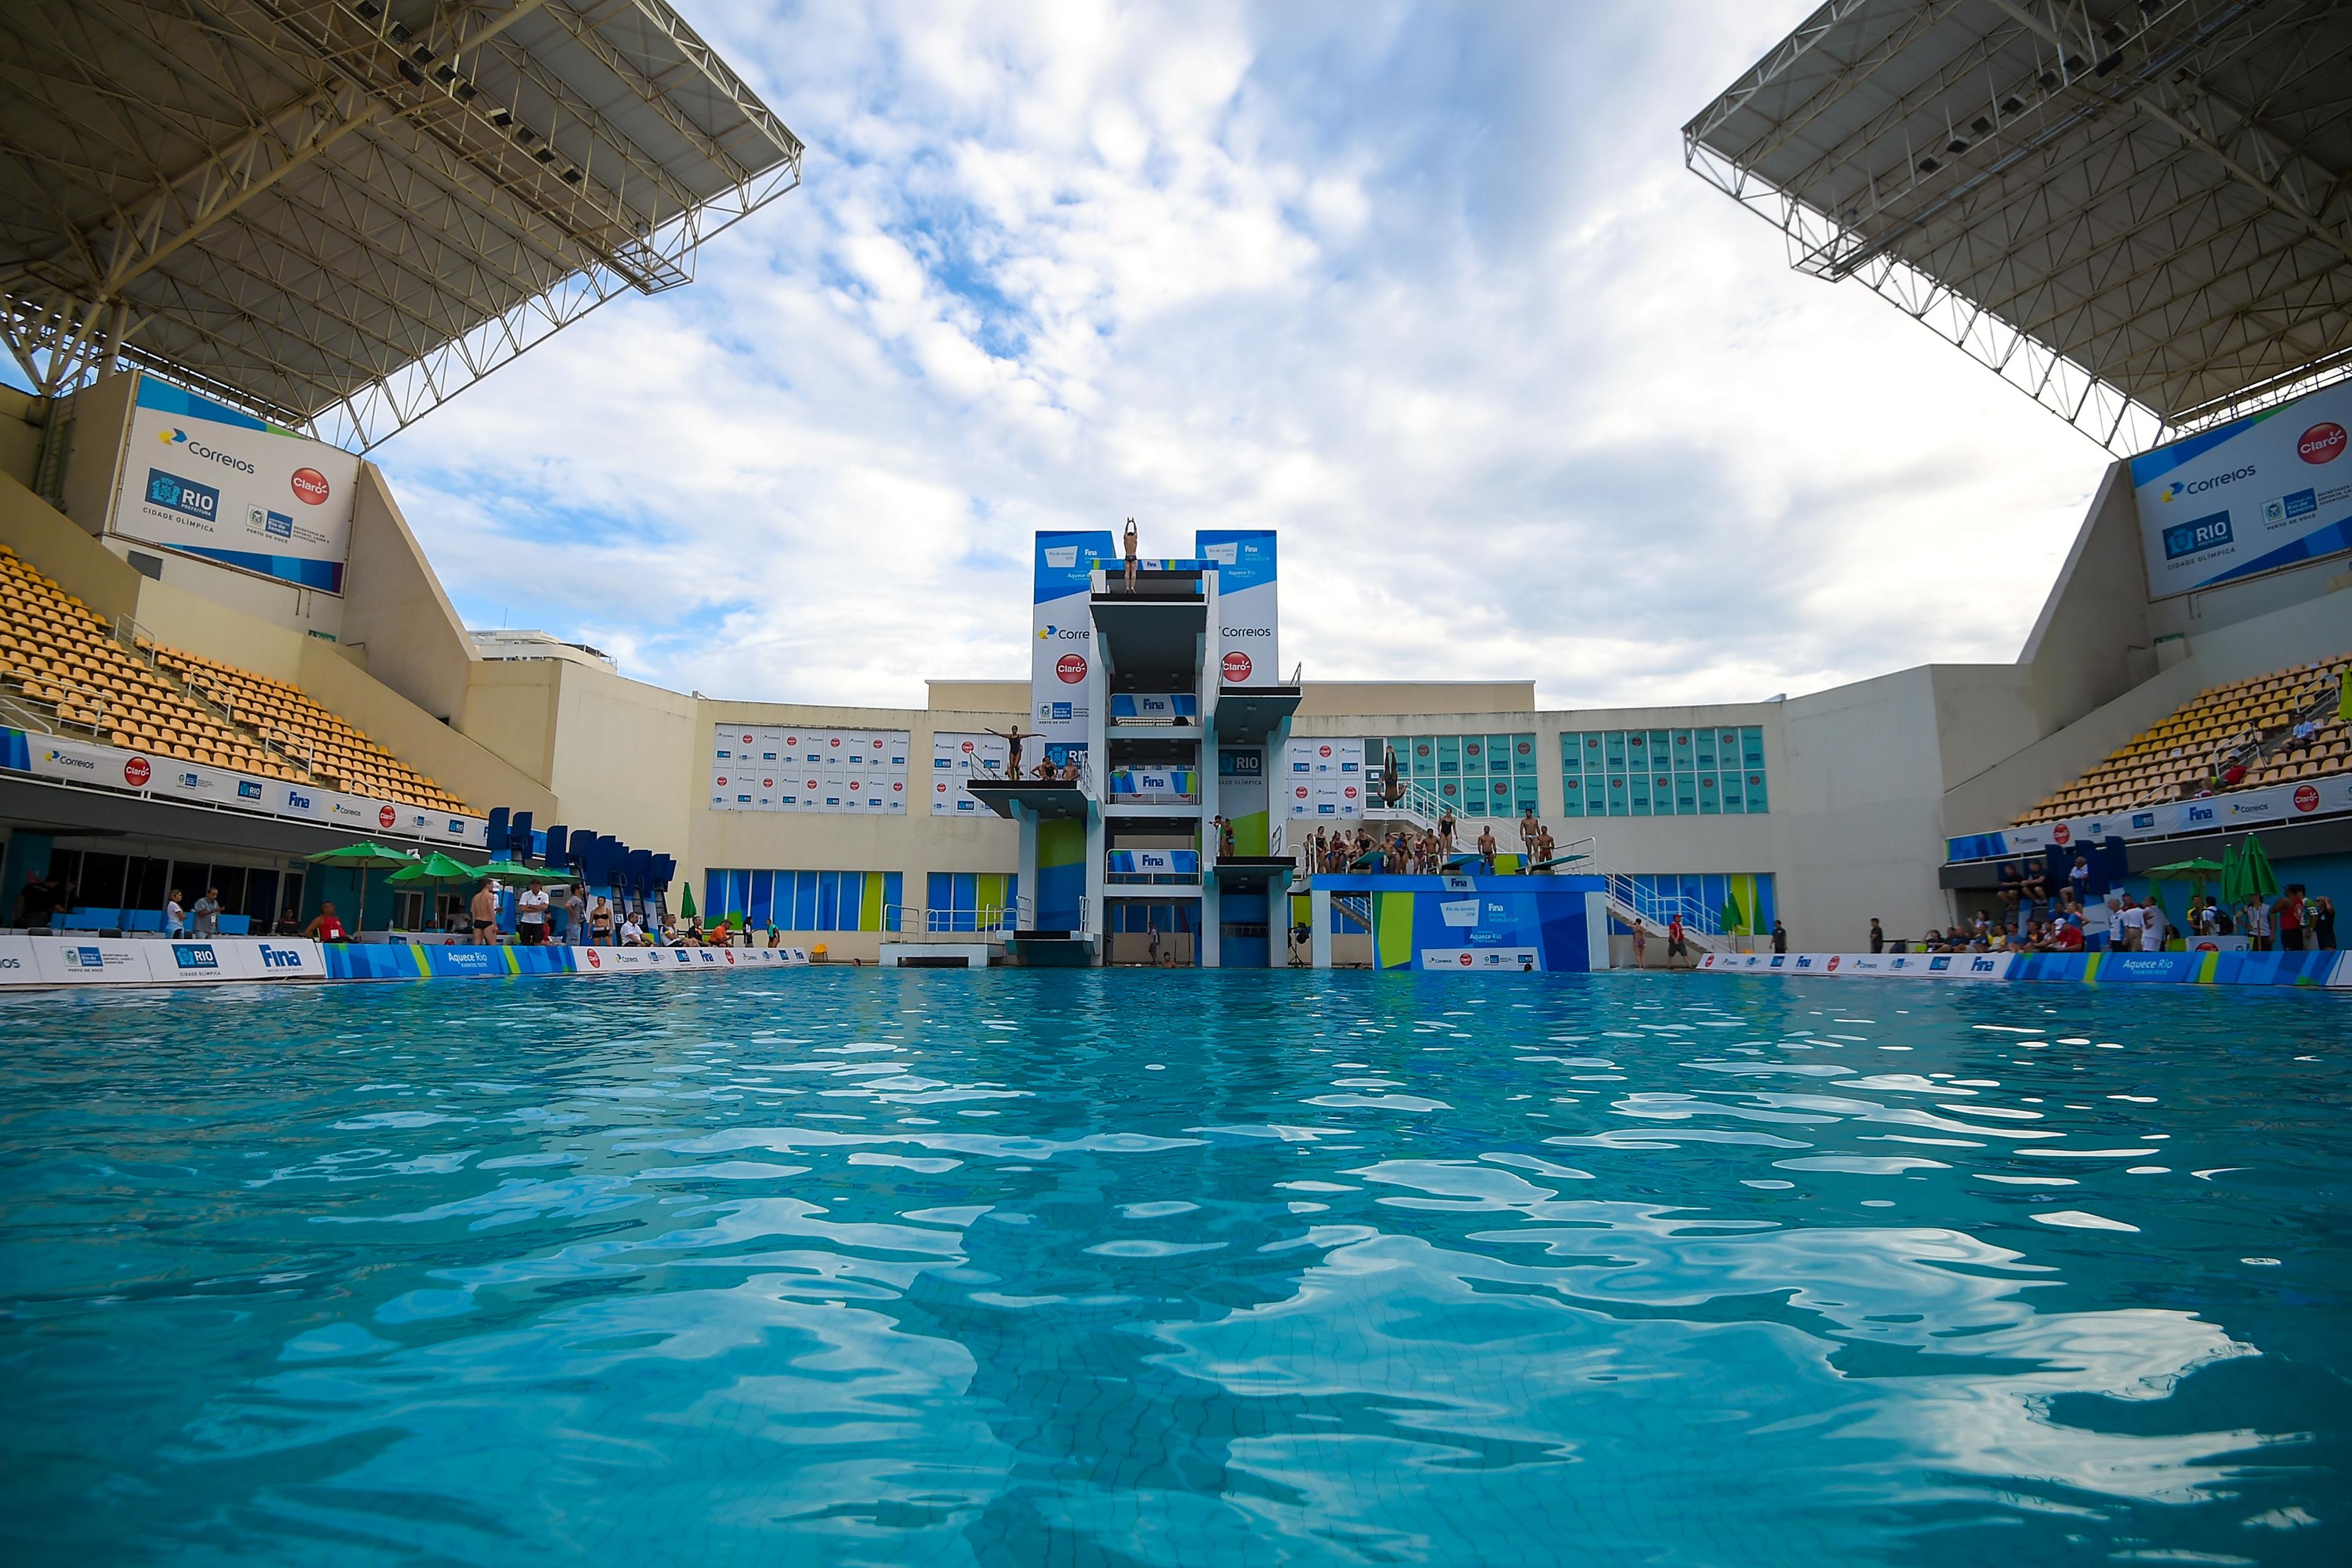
{"x": 924, "y": 1266}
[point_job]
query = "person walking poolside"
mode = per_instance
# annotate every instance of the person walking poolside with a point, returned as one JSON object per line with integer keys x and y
{"x": 1878, "y": 936}
{"x": 1779, "y": 937}
{"x": 1677, "y": 946}
{"x": 483, "y": 914}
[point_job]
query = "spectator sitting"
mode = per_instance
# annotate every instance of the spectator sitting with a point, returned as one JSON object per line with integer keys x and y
{"x": 632, "y": 933}
{"x": 289, "y": 925}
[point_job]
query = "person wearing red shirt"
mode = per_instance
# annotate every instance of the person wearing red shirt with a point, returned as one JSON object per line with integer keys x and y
{"x": 1674, "y": 946}
{"x": 326, "y": 927}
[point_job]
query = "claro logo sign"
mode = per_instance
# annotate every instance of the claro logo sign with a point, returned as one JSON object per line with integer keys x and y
{"x": 310, "y": 486}
{"x": 2210, "y": 482}
{"x": 1070, "y": 669}
{"x": 2323, "y": 443}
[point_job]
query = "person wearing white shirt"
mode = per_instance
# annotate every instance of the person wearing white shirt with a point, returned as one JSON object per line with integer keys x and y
{"x": 632, "y": 933}
{"x": 2135, "y": 927}
{"x": 531, "y": 916}
{"x": 176, "y": 920}
{"x": 2257, "y": 925}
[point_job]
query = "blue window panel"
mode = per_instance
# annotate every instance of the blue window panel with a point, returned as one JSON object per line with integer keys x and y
{"x": 894, "y": 892}
{"x": 938, "y": 891}
{"x": 714, "y": 890}
{"x": 828, "y": 900}
{"x": 762, "y": 909}
{"x": 803, "y": 907}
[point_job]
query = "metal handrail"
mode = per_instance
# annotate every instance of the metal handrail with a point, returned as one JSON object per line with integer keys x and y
{"x": 85, "y": 696}
{"x": 128, "y": 631}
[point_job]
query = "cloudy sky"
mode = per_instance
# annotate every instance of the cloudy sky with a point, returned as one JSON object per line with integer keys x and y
{"x": 1426, "y": 287}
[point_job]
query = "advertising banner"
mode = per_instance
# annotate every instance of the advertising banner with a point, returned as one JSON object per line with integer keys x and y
{"x": 1246, "y": 650}
{"x": 205, "y": 478}
{"x": 2253, "y": 495}
{"x": 1153, "y": 862}
{"x": 1864, "y": 965}
{"x": 1061, "y": 645}
{"x": 1154, "y": 708}
{"x": 958, "y": 758}
{"x": 801, "y": 770}
{"x": 1155, "y": 784}
{"x": 2243, "y": 809}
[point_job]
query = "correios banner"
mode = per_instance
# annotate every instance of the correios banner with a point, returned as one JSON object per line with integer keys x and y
{"x": 2254, "y": 495}
{"x": 1061, "y": 644}
{"x": 1246, "y": 650}
{"x": 209, "y": 481}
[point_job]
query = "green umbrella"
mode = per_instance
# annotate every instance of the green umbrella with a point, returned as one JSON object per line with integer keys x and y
{"x": 1729, "y": 918}
{"x": 2262, "y": 882}
{"x": 2234, "y": 880}
{"x": 362, "y": 856}
{"x": 510, "y": 871}
{"x": 2193, "y": 872}
{"x": 686, "y": 903}
{"x": 437, "y": 870}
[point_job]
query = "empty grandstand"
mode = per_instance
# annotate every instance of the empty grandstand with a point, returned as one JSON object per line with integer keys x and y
{"x": 2269, "y": 729}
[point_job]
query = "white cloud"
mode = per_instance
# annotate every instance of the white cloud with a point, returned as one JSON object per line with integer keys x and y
{"x": 1430, "y": 291}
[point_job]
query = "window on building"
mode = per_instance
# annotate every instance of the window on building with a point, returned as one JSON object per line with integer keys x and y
{"x": 971, "y": 900}
{"x": 1472, "y": 775}
{"x": 1733, "y": 903}
{"x": 1663, "y": 772}
{"x": 806, "y": 900}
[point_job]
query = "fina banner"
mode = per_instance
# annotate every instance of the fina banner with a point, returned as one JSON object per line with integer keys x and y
{"x": 1061, "y": 645}
{"x": 205, "y": 478}
{"x": 2240, "y": 809}
{"x": 2254, "y": 495}
{"x": 1247, "y": 649}
{"x": 51, "y": 756}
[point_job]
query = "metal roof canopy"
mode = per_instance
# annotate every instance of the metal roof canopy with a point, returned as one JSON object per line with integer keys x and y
{"x": 2136, "y": 210}
{"x": 339, "y": 214}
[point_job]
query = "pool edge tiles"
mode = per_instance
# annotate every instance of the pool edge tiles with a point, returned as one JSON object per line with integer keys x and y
{"x": 2328, "y": 970}
{"x": 45, "y": 963}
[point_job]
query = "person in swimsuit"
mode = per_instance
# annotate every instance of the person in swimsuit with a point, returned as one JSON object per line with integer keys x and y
{"x": 1132, "y": 563}
{"x": 1012, "y": 738}
{"x": 485, "y": 914}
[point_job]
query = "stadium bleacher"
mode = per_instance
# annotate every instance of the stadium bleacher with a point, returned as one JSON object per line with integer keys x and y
{"x": 2247, "y": 724}
{"x": 291, "y": 719}
{"x": 63, "y": 664}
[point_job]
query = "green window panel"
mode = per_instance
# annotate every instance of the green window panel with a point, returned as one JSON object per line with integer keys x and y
{"x": 1710, "y": 795}
{"x": 1424, "y": 757}
{"x": 1613, "y": 749}
{"x": 1620, "y": 797}
{"x": 1686, "y": 795}
{"x": 1753, "y": 788}
{"x": 1473, "y": 755}
{"x": 1751, "y": 749}
{"x": 1571, "y": 795}
{"x": 1449, "y": 756}
{"x": 1525, "y": 796}
{"x": 1735, "y": 804}
{"x": 1523, "y": 755}
{"x": 1678, "y": 747}
{"x": 1702, "y": 749}
{"x": 1499, "y": 798}
{"x": 1637, "y": 791}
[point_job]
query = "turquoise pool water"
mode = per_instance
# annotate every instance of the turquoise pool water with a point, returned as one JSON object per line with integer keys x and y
{"x": 1114, "y": 1268}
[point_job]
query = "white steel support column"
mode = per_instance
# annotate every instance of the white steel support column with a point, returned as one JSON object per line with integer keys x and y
{"x": 1319, "y": 916}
